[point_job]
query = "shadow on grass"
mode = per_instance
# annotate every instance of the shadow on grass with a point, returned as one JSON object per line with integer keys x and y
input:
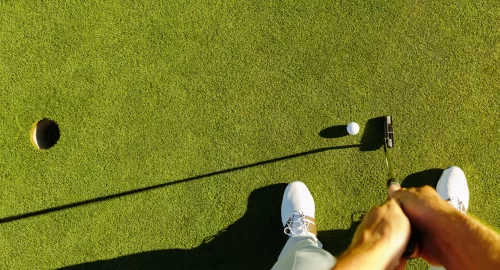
{"x": 140, "y": 190}
{"x": 373, "y": 134}
{"x": 371, "y": 140}
{"x": 337, "y": 241}
{"x": 252, "y": 242}
{"x": 334, "y": 132}
{"x": 424, "y": 178}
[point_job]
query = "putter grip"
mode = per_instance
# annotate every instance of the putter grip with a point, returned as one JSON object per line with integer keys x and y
{"x": 391, "y": 182}
{"x": 411, "y": 250}
{"x": 412, "y": 247}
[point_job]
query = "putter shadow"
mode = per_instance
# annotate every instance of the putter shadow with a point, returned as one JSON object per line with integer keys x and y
{"x": 371, "y": 140}
{"x": 373, "y": 134}
{"x": 252, "y": 242}
{"x": 424, "y": 178}
{"x": 140, "y": 190}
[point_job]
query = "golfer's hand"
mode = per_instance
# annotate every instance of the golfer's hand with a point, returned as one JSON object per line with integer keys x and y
{"x": 379, "y": 241}
{"x": 430, "y": 215}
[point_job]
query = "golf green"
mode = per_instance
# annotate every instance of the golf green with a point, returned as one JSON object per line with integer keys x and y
{"x": 182, "y": 121}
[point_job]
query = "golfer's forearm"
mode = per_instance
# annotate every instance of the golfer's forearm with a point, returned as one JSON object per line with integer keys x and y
{"x": 468, "y": 244}
{"x": 362, "y": 257}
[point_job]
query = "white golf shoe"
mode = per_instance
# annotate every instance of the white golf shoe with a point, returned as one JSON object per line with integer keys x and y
{"x": 297, "y": 211}
{"x": 452, "y": 186}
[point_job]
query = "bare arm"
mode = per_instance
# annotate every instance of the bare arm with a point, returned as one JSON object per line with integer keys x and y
{"x": 379, "y": 241}
{"x": 449, "y": 237}
{"x": 368, "y": 257}
{"x": 468, "y": 243}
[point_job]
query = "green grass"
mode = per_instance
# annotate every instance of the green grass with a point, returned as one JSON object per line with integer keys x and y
{"x": 156, "y": 92}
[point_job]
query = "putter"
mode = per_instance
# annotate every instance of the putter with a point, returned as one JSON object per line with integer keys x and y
{"x": 411, "y": 248}
{"x": 389, "y": 143}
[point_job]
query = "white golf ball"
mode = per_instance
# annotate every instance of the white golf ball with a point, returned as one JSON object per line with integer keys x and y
{"x": 353, "y": 128}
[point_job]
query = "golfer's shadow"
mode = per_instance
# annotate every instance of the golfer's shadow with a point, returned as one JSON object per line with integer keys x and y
{"x": 252, "y": 242}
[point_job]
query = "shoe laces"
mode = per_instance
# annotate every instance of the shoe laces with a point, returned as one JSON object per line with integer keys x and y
{"x": 297, "y": 225}
{"x": 458, "y": 204}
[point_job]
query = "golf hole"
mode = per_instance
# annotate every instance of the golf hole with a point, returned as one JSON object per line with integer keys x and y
{"x": 45, "y": 134}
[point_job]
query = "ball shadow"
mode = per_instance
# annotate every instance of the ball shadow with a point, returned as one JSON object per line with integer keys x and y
{"x": 334, "y": 132}
{"x": 371, "y": 140}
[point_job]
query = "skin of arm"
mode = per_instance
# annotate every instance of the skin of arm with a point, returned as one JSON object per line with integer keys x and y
{"x": 449, "y": 237}
{"x": 379, "y": 241}
{"x": 368, "y": 257}
{"x": 468, "y": 244}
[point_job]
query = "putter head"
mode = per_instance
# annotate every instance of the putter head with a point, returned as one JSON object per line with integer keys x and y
{"x": 389, "y": 132}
